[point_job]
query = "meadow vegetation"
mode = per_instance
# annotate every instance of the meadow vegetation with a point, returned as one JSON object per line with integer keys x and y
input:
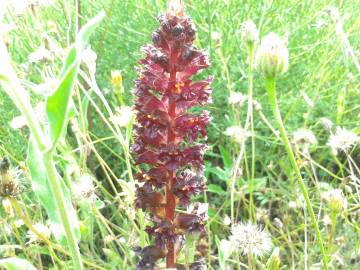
{"x": 282, "y": 192}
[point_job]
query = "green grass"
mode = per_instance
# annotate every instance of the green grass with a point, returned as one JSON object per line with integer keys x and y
{"x": 320, "y": 67}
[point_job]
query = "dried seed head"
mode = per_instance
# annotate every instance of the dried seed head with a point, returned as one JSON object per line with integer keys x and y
{"x": 249, "y": 33}
{"x": 272, "y": 56}
{"x": 9, "y": 179}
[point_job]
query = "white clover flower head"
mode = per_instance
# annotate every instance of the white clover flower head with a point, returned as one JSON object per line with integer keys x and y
{"x": 237, "y": 98}
{"x": 84, "y": 189}
{"x": 272, "y": 56}
{"x": 249, "y": 33}
{"x": 237, "y": 133}
{"x": 303, "y": 139}
{"x": 342, "y": 141}
{"x": 42, "y": 229}
{"x": 251, "y": 239}
{"x": 123, "y": 116}
{"x": 335, "y": 199}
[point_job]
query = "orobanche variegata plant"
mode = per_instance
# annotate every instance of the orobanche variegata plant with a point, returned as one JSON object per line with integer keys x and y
{"x": 166, "y": 135}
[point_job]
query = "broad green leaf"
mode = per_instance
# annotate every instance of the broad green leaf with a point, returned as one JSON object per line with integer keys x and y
{"x": 42, "y": 188}
{"x": 58, "y": 103}
{"x": 16, "y": 264}
{"x": 215, "y": 189}
{"x": 220, "y": 173}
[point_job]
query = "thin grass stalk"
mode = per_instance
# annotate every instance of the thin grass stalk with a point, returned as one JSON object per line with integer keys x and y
{"x": 270, "y": 87}
{"x": 17, "y": 208}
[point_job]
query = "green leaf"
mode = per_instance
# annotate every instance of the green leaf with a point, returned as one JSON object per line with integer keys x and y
{"x": 58, "y": 103}
{"x": 42, "y": 189}
{"x": 16, "y": 264}
{"x": 221, "y": 174}
{"x": 215, "y": 189}
{"x": 226, "y": 157}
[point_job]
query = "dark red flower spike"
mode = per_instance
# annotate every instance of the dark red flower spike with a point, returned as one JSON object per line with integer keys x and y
{"x": 170, "y": 159}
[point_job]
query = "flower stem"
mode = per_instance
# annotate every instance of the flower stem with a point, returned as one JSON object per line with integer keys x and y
{"x": 251, "y": 118}
{"x": 270, "y": 87}
{"x": 170, "y": 197}
{"x": 61, "y": 205}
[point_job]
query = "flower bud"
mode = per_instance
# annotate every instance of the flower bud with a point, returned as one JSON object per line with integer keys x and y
{"x": 116, "y": 78}
{"x": 272, "y": 56}
{"x": 335, "y": 200}
{"x": 249, "y": 33}
{"x": 274, "y": 261}
{"x": 8, "y": 207}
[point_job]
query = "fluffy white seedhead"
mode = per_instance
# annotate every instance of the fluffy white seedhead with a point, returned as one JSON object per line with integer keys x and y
{"x": 303, "y": 139}
{"x": 249, "y": 33}
{"x": 342, "y": 141}
{"x": 237, "y": 133}
{"x": 272, "y": 56}
{"x": 250, "y": 239}
{"x": 237, "y": 98}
